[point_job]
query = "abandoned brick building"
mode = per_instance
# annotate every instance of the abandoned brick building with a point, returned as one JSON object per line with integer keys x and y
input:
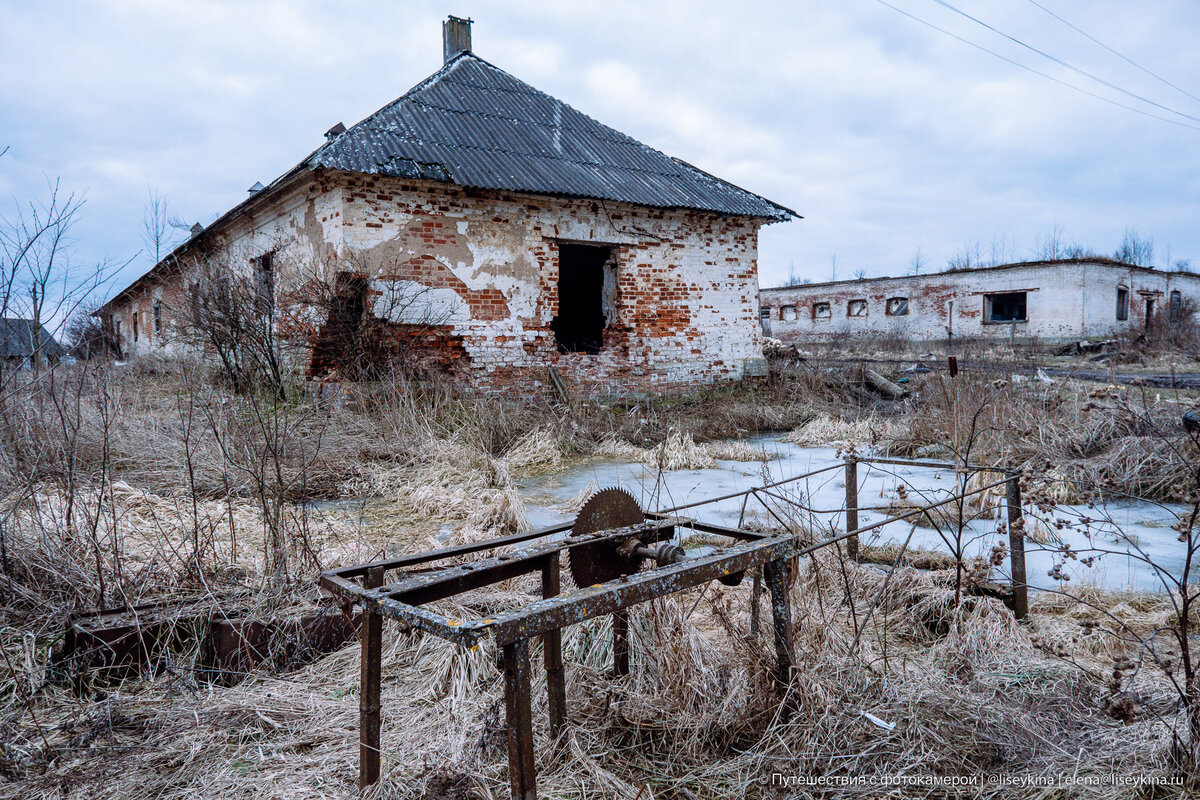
{"x": 1063, "y": 299}
{"x": 500, "y": 233}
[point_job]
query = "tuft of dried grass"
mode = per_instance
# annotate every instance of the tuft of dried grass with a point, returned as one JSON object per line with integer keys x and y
{"x": 825, "y": 430}
{"x": 678, "y": 451}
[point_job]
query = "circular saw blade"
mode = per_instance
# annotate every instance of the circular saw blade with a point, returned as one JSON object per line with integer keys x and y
{"x": 598, "y": 562}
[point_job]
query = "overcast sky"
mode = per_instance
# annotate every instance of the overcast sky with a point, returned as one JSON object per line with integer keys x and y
{"x": 886, "y": 135}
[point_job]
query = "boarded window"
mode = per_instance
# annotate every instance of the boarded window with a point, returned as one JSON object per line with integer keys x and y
{"x": 856, "y": 308}
{"x": 897, "y": 306}
{"x": 1004, "y": 307}
{"x": 787, "y": 313}
{"x": 1122, "y": 304}
{"x": 764, "y": 312}
{"x": 822, "y": 311}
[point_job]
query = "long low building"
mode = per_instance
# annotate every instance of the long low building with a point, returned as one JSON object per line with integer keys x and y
{"x": 1064, "y": 299}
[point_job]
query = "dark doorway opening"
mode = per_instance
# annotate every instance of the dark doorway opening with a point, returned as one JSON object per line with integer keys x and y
{"x": 1149, "y": 312}
{"x": 582, "y": 297}
{"x": 338, "y": 341}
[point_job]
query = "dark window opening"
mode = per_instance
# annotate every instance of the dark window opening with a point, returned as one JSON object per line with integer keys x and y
{"x": 1005, "y": 307}
{"x": 135, "y": 326}
{"x": 1149, "y": 312}
{"x": 264, "y": 283}
{"x": 1176, "y": 306}
{"x": 584, "y": 297}
{"x": 158, "y": 320}
{"x": 1122, "y": 305}
{"x": 764, "y": 312}
{"x": 856, "y": 308}
{"x": 822, "y": 311}
{"x": 897, "y": 307}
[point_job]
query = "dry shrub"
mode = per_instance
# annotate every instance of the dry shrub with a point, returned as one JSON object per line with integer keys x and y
{"x": 1079, "y": 438}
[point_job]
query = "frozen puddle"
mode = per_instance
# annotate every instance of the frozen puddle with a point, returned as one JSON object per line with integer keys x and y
{"x": 549, "y": 500}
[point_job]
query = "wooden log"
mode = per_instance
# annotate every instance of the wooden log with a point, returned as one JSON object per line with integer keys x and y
{"x": 890, "y": 390}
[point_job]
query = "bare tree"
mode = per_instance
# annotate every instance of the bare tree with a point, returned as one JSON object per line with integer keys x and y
{"x": 38, "y": 280}
{"x": 916, "y": 263}
{"x": 1135, "y": 250}
{"x": 1051, "y": 246}
{"x": 156, "y": 226}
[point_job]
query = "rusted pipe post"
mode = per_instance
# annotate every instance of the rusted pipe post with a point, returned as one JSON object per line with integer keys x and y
{"x": 556, "y": 689}
{"x": 775, "y": 574}
{"x": 620, "y": 627}
{"x": 371, "y": 636}
{"x": 755, "y": 602}
{"x": 852, "y": 505}
{"x": 1016, "y": 546}
{"x": 521, "y": 775}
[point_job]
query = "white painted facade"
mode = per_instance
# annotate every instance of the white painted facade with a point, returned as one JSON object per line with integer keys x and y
{"x": 1068, "y": 299}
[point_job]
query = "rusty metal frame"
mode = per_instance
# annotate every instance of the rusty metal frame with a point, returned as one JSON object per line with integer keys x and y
{"x": 425, "y": 578}
{"x": 540, "y": 552}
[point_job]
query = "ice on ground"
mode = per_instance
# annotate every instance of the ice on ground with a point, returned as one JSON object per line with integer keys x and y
{"x": 1126, "y": 531}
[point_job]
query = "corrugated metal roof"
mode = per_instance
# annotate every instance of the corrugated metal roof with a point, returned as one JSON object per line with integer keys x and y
{"x": 473, "y": 124}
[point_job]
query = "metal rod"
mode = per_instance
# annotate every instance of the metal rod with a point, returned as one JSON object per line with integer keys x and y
{"x": 747, "y": 491}
{"x": 852, "y": 504}
{"x": 908, "y": 462}
{"x": 775, "y": 573}
{"x": 1016, "y": 546}
{"x": 755, "y": 594}
{"x": 446, "y": 552}
{"x": 620, "y": 628}
{"x": 368, "y": 693}
{"x": 521, "y": 774}
{"x": 556, "y": 688}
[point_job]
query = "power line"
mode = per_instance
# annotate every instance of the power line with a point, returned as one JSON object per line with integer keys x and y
{"x": 1121, "y": 56}
{"x": 1027, "y": 68}
{"x": 1060, "y": 62}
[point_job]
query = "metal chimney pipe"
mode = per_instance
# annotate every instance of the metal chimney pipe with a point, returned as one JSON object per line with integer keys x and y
{"x": 456, "y": 37}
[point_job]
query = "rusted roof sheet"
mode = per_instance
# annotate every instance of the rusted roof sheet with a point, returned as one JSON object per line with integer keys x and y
{"x": 473, "y": 124}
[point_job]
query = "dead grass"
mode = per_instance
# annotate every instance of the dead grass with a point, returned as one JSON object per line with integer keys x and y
{"x": 967, "y": 690}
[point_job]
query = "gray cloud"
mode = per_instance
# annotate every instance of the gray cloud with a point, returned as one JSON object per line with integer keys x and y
{"x": 884, "y": 134}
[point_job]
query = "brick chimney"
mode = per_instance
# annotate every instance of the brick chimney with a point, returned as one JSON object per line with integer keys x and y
{"x": 456, "y": 37}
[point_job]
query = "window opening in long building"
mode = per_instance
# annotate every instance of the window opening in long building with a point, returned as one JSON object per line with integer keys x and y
{"x": 1004, "y": 307}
